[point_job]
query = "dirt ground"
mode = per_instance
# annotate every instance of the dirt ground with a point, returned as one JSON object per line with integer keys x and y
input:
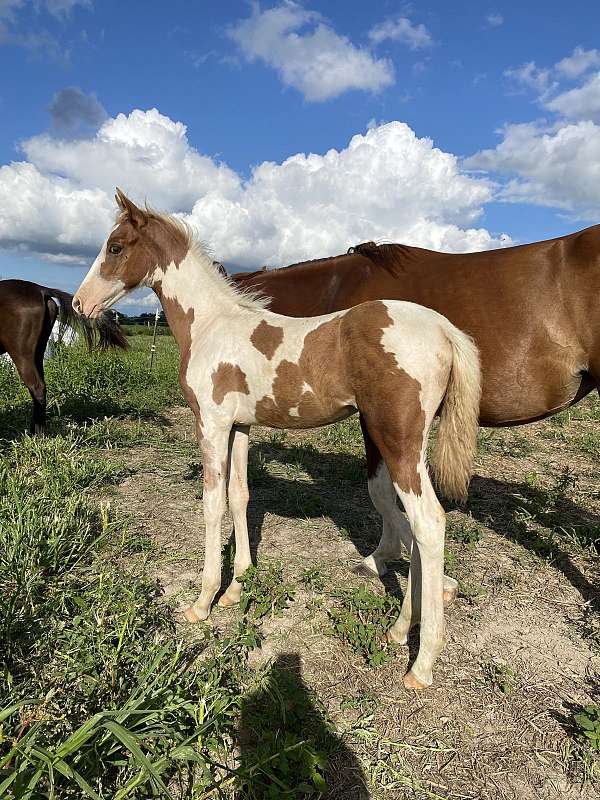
{"x": 523, "y": 640}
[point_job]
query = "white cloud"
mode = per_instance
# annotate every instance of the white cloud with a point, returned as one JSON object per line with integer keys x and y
{"x": 401, "y": 29}
{"x": 553, "y": 164}
{"x": 144, "y": 149}
{"x": 308, "y": 54}
{"x": 580, "y": 103}
{"x": 531, "y": 76}
{"x": 579, "y": 62}
{"x": 140, "y": 300}
{"x": 550, "y": 166}
{"x": 494, "y": 20}
{"x": 387, "y": 185}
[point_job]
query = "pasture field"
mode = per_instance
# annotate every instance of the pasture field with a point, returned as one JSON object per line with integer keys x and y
{"x": 105, "y": 693}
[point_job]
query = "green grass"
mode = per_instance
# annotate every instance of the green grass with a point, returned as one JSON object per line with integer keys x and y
{"x": 101, "y": 695}
{"x": 361, "y": 620}
{"x": 84, "y": 385}
{"x": 98, "y": 697}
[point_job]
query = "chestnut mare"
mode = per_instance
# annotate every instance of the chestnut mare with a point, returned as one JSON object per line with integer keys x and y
{"x": 27, "y": 315}
{"x": 532, "y": 310}
{"x": 397, "y": 363}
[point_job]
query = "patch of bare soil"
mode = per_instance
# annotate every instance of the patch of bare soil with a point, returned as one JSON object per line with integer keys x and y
{"x": 522, "y": 652}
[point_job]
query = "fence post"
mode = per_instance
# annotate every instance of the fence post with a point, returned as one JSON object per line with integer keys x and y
{"x": 153, "y": 348}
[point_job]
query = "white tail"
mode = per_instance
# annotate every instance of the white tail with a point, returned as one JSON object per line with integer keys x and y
{"x": 459, "y": 418}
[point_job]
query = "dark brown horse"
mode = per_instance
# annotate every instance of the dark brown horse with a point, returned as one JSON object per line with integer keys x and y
{"x": 533, "y": 310}
{"x": 27, "y": 315}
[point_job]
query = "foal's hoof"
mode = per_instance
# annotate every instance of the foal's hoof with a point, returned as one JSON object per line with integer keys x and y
{"x": 366, "y": 572}
{"x": 225, "y": 601}
{"x": 195, "y": 616}
{"x": 450, "y": 596}
{"x": 411, "y": 681}
{"x": 393, "y": 638}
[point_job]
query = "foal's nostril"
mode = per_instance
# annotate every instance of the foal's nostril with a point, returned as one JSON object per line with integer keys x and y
{"x": 77, "y": 305}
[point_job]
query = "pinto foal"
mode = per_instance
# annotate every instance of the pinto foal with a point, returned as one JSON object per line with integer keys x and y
{"x": 397, "y": 363}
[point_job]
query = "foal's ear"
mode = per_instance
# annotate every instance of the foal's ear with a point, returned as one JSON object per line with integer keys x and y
{"x": 136, "y": 216}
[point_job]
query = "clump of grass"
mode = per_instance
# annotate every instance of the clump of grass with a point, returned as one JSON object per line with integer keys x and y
{"x": 265, "y": 593}
{"x": 499, "y": 676}
{"x": 466, "y": 531}
{"x": 312, "y": 578}
{"x": 361, "y": 621}
{"x": 588, "y": 726}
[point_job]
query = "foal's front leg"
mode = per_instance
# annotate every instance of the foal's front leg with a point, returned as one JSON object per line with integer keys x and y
{"x": 215, "y": 447}
{"x": 238, "y": 504}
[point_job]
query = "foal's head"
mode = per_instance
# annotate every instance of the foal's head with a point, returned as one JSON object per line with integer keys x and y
{"x": 139, "y": 244}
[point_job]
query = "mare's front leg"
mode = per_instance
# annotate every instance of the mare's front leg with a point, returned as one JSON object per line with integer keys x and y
{"x": 215, "y": 447}
{"x": 238, "y": 504}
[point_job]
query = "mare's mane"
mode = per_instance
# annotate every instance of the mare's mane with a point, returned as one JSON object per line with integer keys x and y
{"x": 390, "y": 257}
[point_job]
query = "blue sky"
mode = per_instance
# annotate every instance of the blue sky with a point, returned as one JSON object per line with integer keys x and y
{"x": 509, "y": 94}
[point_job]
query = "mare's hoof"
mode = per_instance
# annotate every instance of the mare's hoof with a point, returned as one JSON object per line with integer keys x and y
{"x": 411, "y": 681}
{"x": 195, "y": 616}
{"x": 225, "y": 601}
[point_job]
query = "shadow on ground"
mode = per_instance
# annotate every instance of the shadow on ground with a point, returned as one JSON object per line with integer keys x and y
{"x": 287, "y": 747}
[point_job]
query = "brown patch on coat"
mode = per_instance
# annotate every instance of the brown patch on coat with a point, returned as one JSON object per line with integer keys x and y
{"x": 387, "y": 396}
{"x": 228, "y": 378}
{"x": 346, "y": 366}
{"x": 321, "y": 366}
{"x": 267, "y": 338}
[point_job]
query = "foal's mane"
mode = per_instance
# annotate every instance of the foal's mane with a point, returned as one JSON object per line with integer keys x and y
{"x": 185, "y": 235}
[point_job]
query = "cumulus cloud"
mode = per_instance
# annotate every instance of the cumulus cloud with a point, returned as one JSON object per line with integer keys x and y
{"x": 146, "y": 150}
{"x": 401, "y": 29}
{"x": 73, "y": 110}
{"x": 579, "y": 62}
{"x": 549, "y": 166}
{"x": 308, "y": 54}
{"x": 387, "y": 185}
{"x": 582, "y": 102}
{"x": 553, "y": 164}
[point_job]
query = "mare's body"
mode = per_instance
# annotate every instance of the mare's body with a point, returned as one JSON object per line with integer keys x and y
{"x": 28, "y": 312}
{"x": 533, "y": 311}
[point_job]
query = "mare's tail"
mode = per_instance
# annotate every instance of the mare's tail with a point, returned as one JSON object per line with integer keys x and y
{"x": 103, "y": 333}
{"x": 459, "y": 418}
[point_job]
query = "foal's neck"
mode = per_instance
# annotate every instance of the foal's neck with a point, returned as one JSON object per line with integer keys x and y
{"x": 195, "y": 283}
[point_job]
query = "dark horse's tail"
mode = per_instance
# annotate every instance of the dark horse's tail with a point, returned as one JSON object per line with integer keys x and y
{"x": 103, "y": 332}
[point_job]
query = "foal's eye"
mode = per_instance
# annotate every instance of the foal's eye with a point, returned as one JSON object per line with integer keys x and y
{"x": 115, "y": 249}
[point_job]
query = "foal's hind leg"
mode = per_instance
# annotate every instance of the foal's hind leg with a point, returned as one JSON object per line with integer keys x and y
{"x": 403, "y": 443}
{"x": 238, "y": 504}
{"x": 396, "y": 527}
{"x": 424, "y": 593}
